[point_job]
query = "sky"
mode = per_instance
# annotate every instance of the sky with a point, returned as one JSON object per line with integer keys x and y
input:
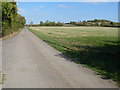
{"x": 67, "y": 11}
{"x": 68, "y": 0}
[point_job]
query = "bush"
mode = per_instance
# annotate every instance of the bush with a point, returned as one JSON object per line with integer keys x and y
{"x": 11, "y": 20}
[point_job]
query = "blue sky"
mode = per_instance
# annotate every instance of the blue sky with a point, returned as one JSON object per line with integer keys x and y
{"x": 68, "y": 11}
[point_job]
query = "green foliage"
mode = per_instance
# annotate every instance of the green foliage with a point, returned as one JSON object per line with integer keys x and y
{"x": 42, "y": 23}
{"x": 96, "y": 22}
{"x": 59, "y": 24}
{"x": 72, "y": 22}
{"x": 11, "y": 20}
{"x": 49, "y": 23}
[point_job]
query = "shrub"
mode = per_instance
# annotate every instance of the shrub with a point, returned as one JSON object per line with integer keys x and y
{"x": 11, "y": 20}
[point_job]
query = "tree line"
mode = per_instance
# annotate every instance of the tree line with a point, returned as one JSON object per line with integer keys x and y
{"x": 11, "y": 20}
{"x": 47, "y": 23}
{"x": 96, "y": 22}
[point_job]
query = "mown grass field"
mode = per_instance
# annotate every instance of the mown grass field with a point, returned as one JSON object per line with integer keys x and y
{"x": 94, "y": 47}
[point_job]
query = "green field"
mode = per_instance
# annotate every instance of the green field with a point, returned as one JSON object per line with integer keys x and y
{"x": 94, "y": 47}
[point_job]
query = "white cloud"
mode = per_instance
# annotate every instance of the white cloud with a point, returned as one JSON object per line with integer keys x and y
{"x": 38, "y": 8}
{"x": 64, "y": 6}
{"x": 95, "y": 3}
{"x": 42, "y": 6}
{"x": 21, "y": 11}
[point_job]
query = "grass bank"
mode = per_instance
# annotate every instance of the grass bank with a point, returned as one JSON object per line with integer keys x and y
{"x": 94, "y": 47}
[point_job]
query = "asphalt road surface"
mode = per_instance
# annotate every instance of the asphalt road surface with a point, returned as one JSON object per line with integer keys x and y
{"x": 28, "y": 62}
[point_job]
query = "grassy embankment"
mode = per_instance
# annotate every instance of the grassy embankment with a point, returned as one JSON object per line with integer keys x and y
{"x": 94, "y": 47}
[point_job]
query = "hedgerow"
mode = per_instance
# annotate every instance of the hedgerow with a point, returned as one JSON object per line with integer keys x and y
{"x": 11, "y": 20}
